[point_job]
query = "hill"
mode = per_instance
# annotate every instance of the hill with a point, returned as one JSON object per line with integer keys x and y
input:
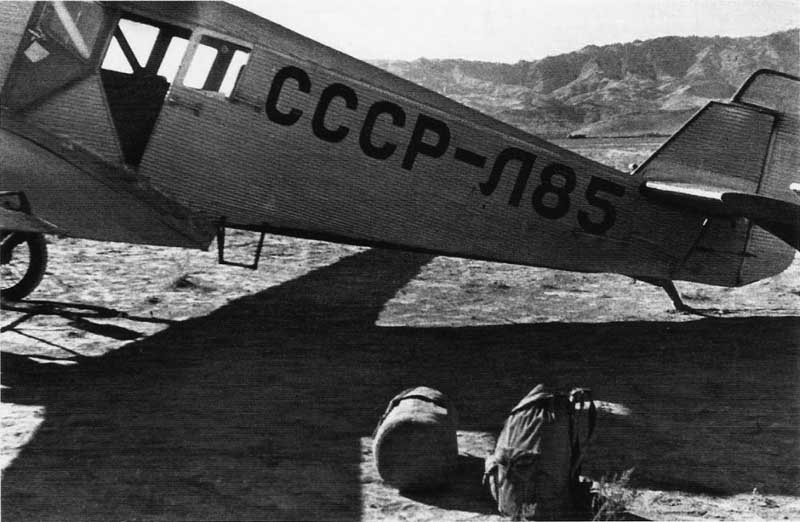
{"x": 635, "y": 88}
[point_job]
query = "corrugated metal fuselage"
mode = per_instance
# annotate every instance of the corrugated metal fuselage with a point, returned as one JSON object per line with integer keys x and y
{"x": 312, "y": 142}
{"x": 62, "y": 151}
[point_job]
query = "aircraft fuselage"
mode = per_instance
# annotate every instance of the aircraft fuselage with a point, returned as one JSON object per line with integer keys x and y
{"x": 229, "y": 118}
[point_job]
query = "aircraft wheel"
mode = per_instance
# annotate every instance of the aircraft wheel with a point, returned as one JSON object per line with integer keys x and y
{"x": 23, "y": 260}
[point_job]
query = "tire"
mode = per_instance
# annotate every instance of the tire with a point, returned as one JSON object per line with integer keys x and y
{"x": 16, "y": 288}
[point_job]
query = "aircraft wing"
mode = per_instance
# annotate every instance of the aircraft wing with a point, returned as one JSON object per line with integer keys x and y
{"x": 20, "y": 221}
{"x": 82, "y": 203}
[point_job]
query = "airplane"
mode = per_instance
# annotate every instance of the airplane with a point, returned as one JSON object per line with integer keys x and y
{"x": 168, "y": 123}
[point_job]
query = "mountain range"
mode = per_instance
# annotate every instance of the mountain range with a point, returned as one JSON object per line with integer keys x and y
{"x": 644, "y": 87}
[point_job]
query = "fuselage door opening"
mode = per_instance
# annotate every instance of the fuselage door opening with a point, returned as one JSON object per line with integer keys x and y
{"x": 141, "y": 63}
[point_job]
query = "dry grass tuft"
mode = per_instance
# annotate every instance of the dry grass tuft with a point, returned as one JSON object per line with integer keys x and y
{"x": 613, "y": 497}
{"x": 188, "y": 282}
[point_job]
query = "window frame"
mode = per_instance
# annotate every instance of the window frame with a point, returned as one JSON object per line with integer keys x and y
{"x": 97, "y": 47}
{"x": 191, "y": 49}
{"x": 176, "y": 30}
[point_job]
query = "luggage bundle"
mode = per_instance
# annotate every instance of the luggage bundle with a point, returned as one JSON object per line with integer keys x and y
{"x": 534, "y": 471}
{"x": 415, "y": 443}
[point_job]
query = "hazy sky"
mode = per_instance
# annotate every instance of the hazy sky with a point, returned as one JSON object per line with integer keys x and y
{"x": 510, "y": 30}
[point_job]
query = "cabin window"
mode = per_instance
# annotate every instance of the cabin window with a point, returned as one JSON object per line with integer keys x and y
{"x": 216, "y": 65}
{"x": 173, "y": 57}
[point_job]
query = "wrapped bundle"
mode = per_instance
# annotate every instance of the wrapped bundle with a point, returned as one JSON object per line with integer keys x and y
{"x": 415, "y": 443}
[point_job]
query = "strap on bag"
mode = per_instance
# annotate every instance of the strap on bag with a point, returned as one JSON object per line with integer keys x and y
{"x": 580, "y": 396}
{"x": 400, "y": 397}
{"x": 490, "y": 470}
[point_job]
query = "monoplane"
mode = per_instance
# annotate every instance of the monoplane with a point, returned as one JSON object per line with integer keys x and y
{"x": 168, "y": 123}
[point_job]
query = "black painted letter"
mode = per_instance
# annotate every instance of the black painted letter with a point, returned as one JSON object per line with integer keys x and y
{"x": 365, "y": 139}
{"x": 526, "y": 160}
{"x": 303, "y": 85}
{"x": 417, "y": 146}
{"x": 332, "y": 91}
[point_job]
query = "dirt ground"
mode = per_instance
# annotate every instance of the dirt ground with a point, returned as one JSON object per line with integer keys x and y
{"x": 144, "y": 383}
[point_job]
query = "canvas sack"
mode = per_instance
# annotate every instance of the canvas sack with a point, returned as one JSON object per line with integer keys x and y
{"x": 415, "y": 443}
{"x": 535, "y": 468}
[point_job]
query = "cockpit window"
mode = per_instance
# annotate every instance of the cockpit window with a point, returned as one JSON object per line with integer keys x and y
{"x": 74, "y": 25}
{"x": 216, "y": 65}
{"x": 140, "y": 46}
{"x": 140, "y": 39}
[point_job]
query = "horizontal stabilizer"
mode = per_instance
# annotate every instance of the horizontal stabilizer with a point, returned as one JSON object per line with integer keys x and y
{"x": 22, "y": 222}
{"x": 781, "y": 218}
{"x": 706, "y": 199}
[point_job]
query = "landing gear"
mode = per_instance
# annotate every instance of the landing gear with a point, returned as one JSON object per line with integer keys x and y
{"x": 23, "y": 260}
{"x": 23, "y": 252}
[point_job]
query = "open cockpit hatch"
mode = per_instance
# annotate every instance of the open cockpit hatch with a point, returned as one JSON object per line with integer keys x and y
{"x": 68, "y": 46}
{"x": 62, "y": 43}
{"x": 98, "y": 74}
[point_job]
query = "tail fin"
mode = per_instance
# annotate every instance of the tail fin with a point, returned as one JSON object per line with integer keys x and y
{"x": 731, "y": 161}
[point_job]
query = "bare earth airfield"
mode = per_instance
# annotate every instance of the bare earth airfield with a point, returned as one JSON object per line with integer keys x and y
{"x": 143, "y": 383}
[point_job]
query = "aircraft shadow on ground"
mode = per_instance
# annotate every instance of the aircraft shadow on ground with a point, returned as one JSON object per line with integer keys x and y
{"x": 256, "y": 410}
{"x": 79, "y": 316}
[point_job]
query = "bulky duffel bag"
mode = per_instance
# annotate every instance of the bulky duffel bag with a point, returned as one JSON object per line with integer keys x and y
{"x": 415, "y": 443}
{"x": 534, "y": 471}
